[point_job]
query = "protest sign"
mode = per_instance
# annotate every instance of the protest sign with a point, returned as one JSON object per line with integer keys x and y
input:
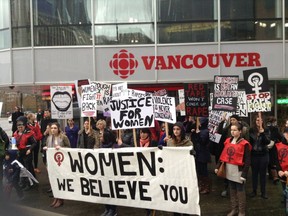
{"x": 196, "y": 99}
{"x": 102, "y": 90}
{"x": 215, "y": 117}
{"x": 118, "y": 90}
{"x": 242, "y": 110}
{"x": 61, "y": 102}
{"x": 181, "y": 106}
{"x": 225, "y": 93}
{"x": 164, "y": 109}
{"x": 88, "y": 100}
{"x": 257, "y": 90}
{"x": 78, "y": 88}
{"x": 161, "y": 92}
{"x": 137, "y": 177}
{"x": 135, "y": 93}
{"x": 131, "y": 113}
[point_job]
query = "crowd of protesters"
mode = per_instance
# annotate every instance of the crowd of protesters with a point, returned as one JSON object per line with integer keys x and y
{"x": 257, "y": 145}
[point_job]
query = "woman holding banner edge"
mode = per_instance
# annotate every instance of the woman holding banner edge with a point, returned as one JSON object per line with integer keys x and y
{"x": 57, "y": 139}
{"x": 178, "y": 139}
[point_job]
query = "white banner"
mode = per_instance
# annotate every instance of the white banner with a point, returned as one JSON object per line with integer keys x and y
{"x": 131, "y": 113}
{"x": 164, "y": 109}
{"x": 137, "y": 177}
{"x": 61, "y": 102}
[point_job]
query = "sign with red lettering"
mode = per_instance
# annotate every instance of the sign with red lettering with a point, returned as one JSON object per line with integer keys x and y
{"x": 225, "y": 93}
{"x": 257, "y": 90}
{"x": 196, "y": 99}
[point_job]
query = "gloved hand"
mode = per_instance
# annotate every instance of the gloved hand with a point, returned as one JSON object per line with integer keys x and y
{"x": 160, "y": 147}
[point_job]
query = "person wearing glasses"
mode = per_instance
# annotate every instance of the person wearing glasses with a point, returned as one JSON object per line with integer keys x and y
{"x": 26, "y": 143}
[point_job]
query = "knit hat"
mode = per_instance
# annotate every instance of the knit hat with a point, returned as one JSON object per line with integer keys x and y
{"x": 179, "y": 124}
{"x": 235, "y": 116}
{"x": 22, "y": 119}
{"x": 285, "y": 130}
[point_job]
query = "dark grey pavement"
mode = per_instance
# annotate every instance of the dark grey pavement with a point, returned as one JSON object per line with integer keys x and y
{"x": 37, "y": 201}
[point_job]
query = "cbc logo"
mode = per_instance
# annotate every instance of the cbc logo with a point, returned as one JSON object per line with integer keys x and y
{"x": 123, "y": 64}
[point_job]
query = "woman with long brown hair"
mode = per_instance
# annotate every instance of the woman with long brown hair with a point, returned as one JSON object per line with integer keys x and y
{"x": 57, "y": 139}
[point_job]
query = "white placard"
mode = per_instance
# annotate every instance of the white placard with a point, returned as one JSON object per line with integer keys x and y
{"x": 164, "y": 109}
{"x": 61, "y": 102}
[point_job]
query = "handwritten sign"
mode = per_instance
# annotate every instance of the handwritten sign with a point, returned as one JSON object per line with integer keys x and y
{"x": 164, "y": 109}
{"x": 61, "y": 102}
{"x": 225, "y": 93}
{"x": 257, "y": 90}
{"x": 196, "y": 99}
{"x": 88, "y": 100}
{"x": 132, "y": 113}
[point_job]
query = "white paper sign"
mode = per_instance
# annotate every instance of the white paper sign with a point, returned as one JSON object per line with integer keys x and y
{"x": 132, "y": 113}
{"x": 61, "y": 102}
{"x": 164, "y": 109}
{"x": 88, "y": 100}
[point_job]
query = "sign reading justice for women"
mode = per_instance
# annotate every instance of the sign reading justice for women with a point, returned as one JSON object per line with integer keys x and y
{"x": 138, "y": 177}
{"x": 131, "y": 113}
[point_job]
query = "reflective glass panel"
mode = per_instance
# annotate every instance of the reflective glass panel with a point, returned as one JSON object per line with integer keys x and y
{"x": 251, "y": 20}
{"x": 4, "y": 39}
{"x": 124, "y": 34}
{"x": 250, "y": 9}
{"x": 124, "y": 11}
{"x": 62, "y": 22}
{"x": 4, "y": 14}
{"x": 180, "y": 10}
{"x": 21, "y": 28}
{"x": 188, "y": 32}
{"x": 184, "y": 21}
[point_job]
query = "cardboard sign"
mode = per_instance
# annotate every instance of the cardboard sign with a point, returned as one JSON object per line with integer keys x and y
{"x": 102, "y": 90}
{"x": 242, "y": 110}
{"x": 181, "y": 106}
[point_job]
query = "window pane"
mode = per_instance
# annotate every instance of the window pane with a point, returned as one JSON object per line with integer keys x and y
{"x": 4, "y": 39}
{"x": 62, "y": 22}
{"x": 180, "y": 10}
{"x": 124, "y": 34}
{"x": 250, "y": 9}
{"x": 4, "y": 14}
{"x": 20, "y": 13}
{"x": 62, "y": 35}
{"x": 249, "y": 30}
{"x": 188, "y": 32}
{"x": 124, "y": 11}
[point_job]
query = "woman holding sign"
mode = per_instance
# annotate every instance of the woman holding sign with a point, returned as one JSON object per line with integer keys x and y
{"x": 259, "y": 139}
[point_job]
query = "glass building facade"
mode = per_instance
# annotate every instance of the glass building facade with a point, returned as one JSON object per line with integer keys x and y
{"x": 48, "y": 41}
{"x": 112, "y": 22}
